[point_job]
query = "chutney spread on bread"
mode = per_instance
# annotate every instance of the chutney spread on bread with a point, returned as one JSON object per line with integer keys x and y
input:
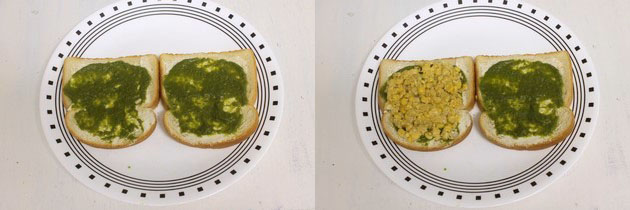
{"x": 205, "y": 95}
{"x": 521, "y": 97}
{"x": 106, "y": 95}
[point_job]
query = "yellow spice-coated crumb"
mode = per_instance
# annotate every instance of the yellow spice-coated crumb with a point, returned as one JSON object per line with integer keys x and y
{"x": 425, "y": 101}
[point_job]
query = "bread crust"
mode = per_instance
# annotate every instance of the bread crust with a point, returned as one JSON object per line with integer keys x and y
{"x": 151, "y": 63}
{"x": 386, "y": 69}
{"x": 567, "y": 77}
{"x": 249, "y": 67}
{"x": 471, "y": 83}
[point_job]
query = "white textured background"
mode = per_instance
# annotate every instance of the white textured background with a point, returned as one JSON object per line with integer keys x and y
{"x": 31, "y": 177}
{"x": 346, "y": 178}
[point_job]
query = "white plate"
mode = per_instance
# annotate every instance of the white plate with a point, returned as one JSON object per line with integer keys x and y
{"x": 476, "y": 173}
{"x": 160, "y": 171}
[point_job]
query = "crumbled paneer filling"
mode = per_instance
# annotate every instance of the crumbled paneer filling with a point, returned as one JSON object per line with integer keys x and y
{"x": 425, "y": 100}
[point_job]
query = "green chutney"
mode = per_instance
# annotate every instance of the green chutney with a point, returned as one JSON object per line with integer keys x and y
{"x": 205, "y": 95}
{"x": 522, "y": 97}
{"x": 106, "y": 95}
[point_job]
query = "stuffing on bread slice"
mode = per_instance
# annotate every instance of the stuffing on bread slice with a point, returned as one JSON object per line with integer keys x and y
{"x": 425, "y": 103}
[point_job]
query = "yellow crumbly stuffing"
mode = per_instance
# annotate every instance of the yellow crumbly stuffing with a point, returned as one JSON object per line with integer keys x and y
{"x": 424, "y": 101}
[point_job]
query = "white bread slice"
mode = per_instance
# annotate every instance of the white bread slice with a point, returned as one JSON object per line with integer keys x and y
{"x": 465, "y": 63}
{"x": 145, "y": 110}
{"x": 245, "y": 58}
{"x": 562, "y": 62}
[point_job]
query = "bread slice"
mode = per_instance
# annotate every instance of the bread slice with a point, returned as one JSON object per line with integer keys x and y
{"x": 245, "y": 58}
{"x": 145, "y": 110}
{"x": 465, "y": 63}
{"x": 562, "y": 62}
